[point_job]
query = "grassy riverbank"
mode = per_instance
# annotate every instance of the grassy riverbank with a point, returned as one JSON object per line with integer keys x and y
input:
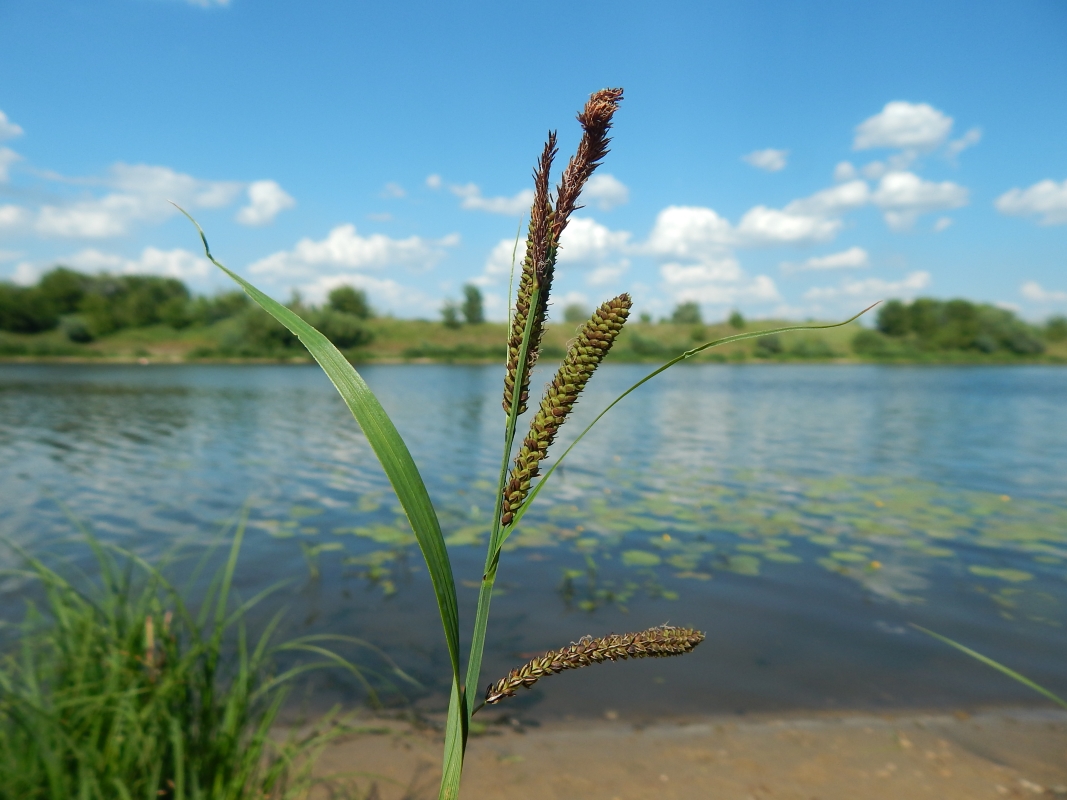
{"x": 397, "y": 340}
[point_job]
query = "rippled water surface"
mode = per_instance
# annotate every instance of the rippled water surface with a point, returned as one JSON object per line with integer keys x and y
{"x": 801, "y": 515}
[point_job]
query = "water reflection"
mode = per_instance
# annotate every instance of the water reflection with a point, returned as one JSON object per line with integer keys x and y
{"x": 802, "y": 515}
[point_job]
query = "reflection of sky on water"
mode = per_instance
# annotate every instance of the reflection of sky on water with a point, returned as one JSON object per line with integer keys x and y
{"x": 802, "y": 515}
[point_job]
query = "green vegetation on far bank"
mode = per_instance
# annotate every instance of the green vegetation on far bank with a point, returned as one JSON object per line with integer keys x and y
{"x": 72, "y": 316}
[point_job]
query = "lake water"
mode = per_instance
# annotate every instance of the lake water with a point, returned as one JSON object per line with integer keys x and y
{"x": 801, "y": 515}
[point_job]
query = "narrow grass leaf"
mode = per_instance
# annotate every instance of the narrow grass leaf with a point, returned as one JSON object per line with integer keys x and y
{"x": 387, "y": 444}
{"x": 1015, "y": 676}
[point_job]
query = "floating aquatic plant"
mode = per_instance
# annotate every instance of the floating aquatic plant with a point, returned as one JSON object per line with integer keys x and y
{"x": 514, "y": 491}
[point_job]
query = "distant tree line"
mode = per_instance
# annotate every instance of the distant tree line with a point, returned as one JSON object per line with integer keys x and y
{"x": 86, "y": 307}
{"x": 930, "y": 325}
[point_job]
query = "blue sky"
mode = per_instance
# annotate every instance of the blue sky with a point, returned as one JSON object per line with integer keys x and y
{"x": 786, "y": 159}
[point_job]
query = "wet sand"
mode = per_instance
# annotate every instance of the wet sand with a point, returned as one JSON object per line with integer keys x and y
{"x": 1002, "y": 754}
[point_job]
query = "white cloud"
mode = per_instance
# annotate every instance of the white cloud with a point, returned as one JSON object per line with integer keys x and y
{"x": 344, "y": 249}
{"x": 500, "y": 258}
{"x": 770, "y": 160}
{"x": 471, "y": 197}
{"x": 433, "y": 181}
{"x": 12, "y": 217}
{"x": 689, "y": 232}
{"x": 969, "y": 139}
{"x": 266, "y": 199}
{"x": 769, "y": 226}
{"x": 1032, "y": 290}
{"x": 7, "y": 158}
{"x": 871, "y": 288}
{"x": 833, "y": 201}
{"x": 176, "y": 263}
{"x": 903, "y": 196}
{"x": 26, "y": 274}
{"x": 143, "y": 194}
{"x": 608, "y": 274}
{"x": 942, "y": 224}
{"x": 903, "y": 125}
{"x": 605, "y": 191}
{"x": 8, "y": 129}
{"x": 385, "y": 293}
{"x": 586, "y": 241}
{"x": 393, "y": 190}
{"x": 844, "y": 171}
{"x": 853, "y": 258}
{"x": 874, "y": 170}
{"x": 1046, "y": 199}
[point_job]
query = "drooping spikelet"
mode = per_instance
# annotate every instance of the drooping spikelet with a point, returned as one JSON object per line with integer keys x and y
{"x": 658, "y": 642}
{"x": 592, "y": 343}
{"x": 537, "y": 253}
{"x": 546, "y": 227}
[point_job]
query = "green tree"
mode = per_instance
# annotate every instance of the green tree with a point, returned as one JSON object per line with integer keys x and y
{"x": 450, "y": 314}
{"x": 350, "y": 300}
{"x": 893, "y": 318}
{"x": 686, "y": 314}
{"x": 473, "y": 311}
{"x": 24, "y": 310}
{"x": 1056, "y": 328}
{"x": 575, "y": 312}
{"x": 736, "y": 321}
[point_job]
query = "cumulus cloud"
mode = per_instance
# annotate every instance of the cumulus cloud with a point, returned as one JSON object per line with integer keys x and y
{"x": 8, "y": 129}
{"x": 7, "y": 158}
{"x": 969, "y": 139}
{"x": 942, "y": 224}
{"x": 903, "y": 125}
{"x": 853, "y": 258}
{"x": 770, "y": 160}
{"x": 13, "y": 217}
{"x": 266, "y": 199}
{"x": 344, "y": 249}
{"x": 1032, "y": 290}
{"x": 393, "y": 190}
{"x": 903, "y": 196}
{"x": 605, "y": 191}
{"x": 719, "y": 284}
{"x": 586, "y": 241}
{"x": 689, "y": 232}
{"x": 141, "y": 193}
{"x": 1045, "y": 199}
{"x": 433, "y": 181}
{"x": 845, "y": 171}
{"x": 833, "y": 201}
{"x": 871, "y": 288}
{"x": 770, "y": 226}
{"x": 176, "y": 263}
{"x": 471, "y": 198}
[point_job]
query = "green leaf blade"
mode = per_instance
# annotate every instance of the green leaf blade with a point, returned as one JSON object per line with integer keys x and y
{"x": 388, "y": 446}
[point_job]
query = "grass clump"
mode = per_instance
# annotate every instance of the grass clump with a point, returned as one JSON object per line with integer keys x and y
{"x": 115, "y": 689}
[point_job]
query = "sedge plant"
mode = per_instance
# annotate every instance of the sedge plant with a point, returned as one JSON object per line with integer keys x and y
{"x": 115, "y": 688}
{"x": 520, "y": 477}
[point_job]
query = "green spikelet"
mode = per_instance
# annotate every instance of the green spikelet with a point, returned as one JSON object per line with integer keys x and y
{"x": 660, "y": 642}
{"x": 592, "y": 343}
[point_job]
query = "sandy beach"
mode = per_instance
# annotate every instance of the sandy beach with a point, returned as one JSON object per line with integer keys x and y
{"x": 994, "y": 754}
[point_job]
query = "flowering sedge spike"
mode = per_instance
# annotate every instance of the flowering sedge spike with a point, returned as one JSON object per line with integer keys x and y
{"x": 592, "y": 343}
{"x": 658, "y": 642}
{"x": 537, "y": 246}
{"x": 595, "y": 120}
{"x": 546, "y": 227}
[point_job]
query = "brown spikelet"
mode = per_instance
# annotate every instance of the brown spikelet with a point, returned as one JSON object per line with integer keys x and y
{"x": 546, "y": 226}
{"x": 592, "y": 343}
{"x": 658, "y": 642}
{"x": 595, "y": 119}
{"x": 533, "y": 274}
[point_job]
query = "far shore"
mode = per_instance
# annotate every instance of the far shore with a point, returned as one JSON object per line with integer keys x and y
{"x": 830, "y": 756}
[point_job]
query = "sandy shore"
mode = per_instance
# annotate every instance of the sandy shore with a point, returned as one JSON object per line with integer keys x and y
{"x": 999, "y": 754}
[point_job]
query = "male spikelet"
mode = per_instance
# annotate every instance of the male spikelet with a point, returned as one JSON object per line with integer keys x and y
{"x": 652, "y": 643}
{"x": 588, "y": 349}
{"x": 546, "y": 227}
